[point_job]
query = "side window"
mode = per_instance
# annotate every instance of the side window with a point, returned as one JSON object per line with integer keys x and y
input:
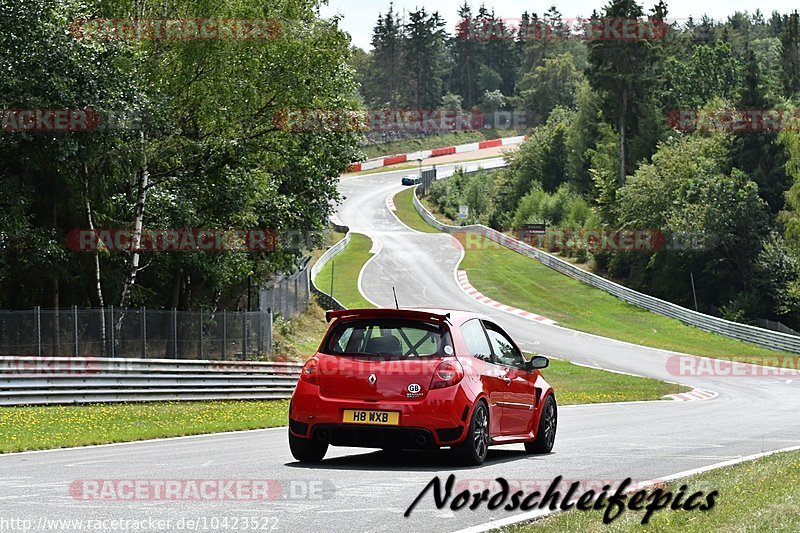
{"x": 475, "y": 339}
{"x": 504, "y": 349}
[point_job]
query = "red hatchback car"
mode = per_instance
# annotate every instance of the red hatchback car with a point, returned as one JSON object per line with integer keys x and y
{"x": 420, "y": 379}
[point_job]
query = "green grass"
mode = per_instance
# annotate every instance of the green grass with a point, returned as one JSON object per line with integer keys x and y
{"x": 575, "y": 384}
{"x": 517, "y": 280}
{"x": 760, "y": 495}
{"x": 345, "y": 269}
{"x": 44, "y": 427}
{"x": 520, "y": 281}
{"x": 299, "y": 338}
{"x": 403, "y": 201}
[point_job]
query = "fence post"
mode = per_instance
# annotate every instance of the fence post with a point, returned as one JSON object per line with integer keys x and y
{"x": 224, "y": 333}
{"x": 113, "y": 331}
{"x": 75, "y": 329}
{"x": 200, "y": 329}
{"x": 38, "y": 319}
{"x": 143, "y": 331}
{"x": 269, "y": 331}
{"x": 296, "y": 295}
{"x": 244, "y": 336}
{"x": 282, "y": 298}
{"x": 174, "y": 333}
{"x": 260, "y": 335}
{"x": 308, "y": 285}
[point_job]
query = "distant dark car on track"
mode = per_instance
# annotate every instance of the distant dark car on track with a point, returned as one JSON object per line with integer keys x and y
{"x": 420, "y": 379}
{"x": 411, "y": 179}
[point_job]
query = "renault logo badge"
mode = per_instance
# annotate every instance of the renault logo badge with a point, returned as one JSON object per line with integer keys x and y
{"x": 372, "y": 379}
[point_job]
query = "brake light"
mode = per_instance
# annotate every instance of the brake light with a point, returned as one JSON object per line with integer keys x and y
{"x": 310, "y": 371}
{"x": 447, "y": 374}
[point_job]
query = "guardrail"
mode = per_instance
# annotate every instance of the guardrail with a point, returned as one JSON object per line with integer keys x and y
{"x": 735, "y": 330}
{"x": 34, "y": 380}
{"x": 327, "y": 300}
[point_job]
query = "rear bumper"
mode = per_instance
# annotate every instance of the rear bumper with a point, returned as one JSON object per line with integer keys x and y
{"x": 364, "y": 436}
{"x": 439, "y": 419}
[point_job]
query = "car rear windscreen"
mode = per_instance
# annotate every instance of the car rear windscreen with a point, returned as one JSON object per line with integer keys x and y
{"x": 388, "y": 338}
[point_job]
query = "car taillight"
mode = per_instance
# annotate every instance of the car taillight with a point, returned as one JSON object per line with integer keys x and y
{"x": 448, "y": 373}
{"x": 310, "y": 371}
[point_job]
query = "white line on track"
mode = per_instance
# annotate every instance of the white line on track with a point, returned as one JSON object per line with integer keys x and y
{"x": 143, "y": 441}
{"x": 525, "y": 517}
{"x": 377, "y": 246}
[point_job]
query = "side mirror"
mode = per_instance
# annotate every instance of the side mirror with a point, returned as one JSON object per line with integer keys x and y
{"x": 537, "y": 362}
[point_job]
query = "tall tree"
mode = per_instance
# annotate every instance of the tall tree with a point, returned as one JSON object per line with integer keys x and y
{"x": 387, "y": 58}
{"x": 622, "y": 70}
{"x": 790, "y": 55}
{"x": 423, "y": 58}
{"x": 466, "y": 57}
{"x": 552, "y": 83}
{"x": 758, "y": 152}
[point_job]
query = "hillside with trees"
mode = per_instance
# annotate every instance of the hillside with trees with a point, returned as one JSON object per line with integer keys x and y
{"x": 608, "y": 147}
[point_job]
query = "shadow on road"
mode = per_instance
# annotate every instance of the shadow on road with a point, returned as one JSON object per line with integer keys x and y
{"x": 432, "y": 461}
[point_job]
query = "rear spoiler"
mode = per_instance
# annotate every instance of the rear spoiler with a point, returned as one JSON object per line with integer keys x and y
{"x": 439, "y": 318}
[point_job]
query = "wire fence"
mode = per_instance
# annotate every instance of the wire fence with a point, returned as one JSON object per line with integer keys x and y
{"x": 136, "y": 332}
{"x": 156, "y": 333}
{"x": 289, "y": 295}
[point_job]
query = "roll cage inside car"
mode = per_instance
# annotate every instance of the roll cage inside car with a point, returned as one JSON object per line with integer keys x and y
{"x": 387, "y": 337}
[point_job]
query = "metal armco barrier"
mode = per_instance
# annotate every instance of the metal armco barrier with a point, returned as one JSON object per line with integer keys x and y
{"x": 735, "y": 330}
{"x": 36, "y": 380}
{"x": 327, "y": 300}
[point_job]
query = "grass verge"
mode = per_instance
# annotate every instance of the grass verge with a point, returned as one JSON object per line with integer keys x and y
{"x": 299, "y": 338}
{"x": 404, "y": 203}
{"x": 44, "y": 427}
{"x": 758, "y": 495}
{"x": 522, "y": 282}
{"x": 575, "y": 384}
{"x": 344, "y": 269}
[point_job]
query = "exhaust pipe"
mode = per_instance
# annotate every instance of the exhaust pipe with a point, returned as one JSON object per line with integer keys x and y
{"x": 421, "y": 440}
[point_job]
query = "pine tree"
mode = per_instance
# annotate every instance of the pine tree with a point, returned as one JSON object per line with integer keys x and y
{"x": 387, "y": 41}
{"x": 790, "y": 55}
{"x": 466, "y": 57}
{"x": 757, "y": 152}
{"x": 424, "y": 55}
{"x": 621, "y": 70}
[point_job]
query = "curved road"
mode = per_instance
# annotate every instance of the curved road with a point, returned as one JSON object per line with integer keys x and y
{"x": 361, "y": 490}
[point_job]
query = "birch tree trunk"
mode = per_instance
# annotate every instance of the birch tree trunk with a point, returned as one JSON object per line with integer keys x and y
{"x": 142, "y": 183}
{"x": 97, "y": 274}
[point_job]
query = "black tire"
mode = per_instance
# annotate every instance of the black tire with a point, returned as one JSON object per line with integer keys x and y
{"x": 307, "y": 450}
{"x": 473, "y": 450}
{"x": 546, "y": 433}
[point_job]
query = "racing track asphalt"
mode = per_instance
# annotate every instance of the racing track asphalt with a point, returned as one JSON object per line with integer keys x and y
{"x": 369, "y": 491}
